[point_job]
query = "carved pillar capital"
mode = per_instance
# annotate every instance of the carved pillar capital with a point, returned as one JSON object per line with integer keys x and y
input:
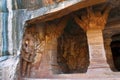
{"x": 93, "y": 19}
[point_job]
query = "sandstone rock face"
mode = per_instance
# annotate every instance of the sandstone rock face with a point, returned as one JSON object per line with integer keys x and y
{"x": 11, "y": 35}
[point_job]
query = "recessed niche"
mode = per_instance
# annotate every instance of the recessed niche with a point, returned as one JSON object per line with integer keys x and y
{"x": 72, "y": 53}
{"x": 115, "y": 47}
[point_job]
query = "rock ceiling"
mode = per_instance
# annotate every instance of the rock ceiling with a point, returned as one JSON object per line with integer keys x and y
{"x": 34, "y": 7}
{"x": 63, "y": 9}
{"x": 114, "y": 17}
{"x": 114, "y": 14}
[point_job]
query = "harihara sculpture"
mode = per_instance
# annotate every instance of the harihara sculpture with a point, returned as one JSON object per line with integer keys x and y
{"x": 34, "y": 41}
{"x": 30, "y": 47}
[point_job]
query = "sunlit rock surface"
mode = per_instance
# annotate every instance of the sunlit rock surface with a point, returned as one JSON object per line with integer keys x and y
{"x": 13, "y": 15}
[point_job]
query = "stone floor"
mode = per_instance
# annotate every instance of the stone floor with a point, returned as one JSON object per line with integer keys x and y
{"x": 92, "y": 74}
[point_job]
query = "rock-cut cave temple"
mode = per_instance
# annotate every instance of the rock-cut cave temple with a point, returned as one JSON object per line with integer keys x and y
{"x": 59, "y": 39}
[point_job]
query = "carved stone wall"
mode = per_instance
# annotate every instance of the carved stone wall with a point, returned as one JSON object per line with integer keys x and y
{"x": 39, "y": 47}
{"x": 66, "y": 52}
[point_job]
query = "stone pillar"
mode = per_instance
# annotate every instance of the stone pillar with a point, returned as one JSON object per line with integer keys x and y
{"x": 109, "y": 55}
{"x": 93, "y": 23}
{"x": 54, "y": 67}
{"x": 96, "y": 49}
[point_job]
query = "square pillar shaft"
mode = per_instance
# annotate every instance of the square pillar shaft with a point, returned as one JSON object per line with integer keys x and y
{"x": 96, "y": 49}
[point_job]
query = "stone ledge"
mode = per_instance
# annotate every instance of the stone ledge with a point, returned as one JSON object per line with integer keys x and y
{"x": 85, "y": 76}
{"x": 77, "y": 79}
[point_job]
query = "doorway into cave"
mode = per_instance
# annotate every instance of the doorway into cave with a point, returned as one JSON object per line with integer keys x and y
{"x": 72, "y": 50}
{"x": 115, "y": 47}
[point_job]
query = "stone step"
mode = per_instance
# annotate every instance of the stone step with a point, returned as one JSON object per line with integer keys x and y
{"x": 83, "y": 76}
{"x": 75, "y": 79}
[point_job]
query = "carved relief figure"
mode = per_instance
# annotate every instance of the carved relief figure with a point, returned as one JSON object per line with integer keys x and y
{"x": 33, "y": 44}
{"x": 30, "y": 48}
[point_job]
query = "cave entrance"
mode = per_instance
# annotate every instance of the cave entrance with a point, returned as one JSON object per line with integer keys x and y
{"x": 72, "y": 49}
{"x": 47, "y": 49}
{"x": 115, "y": 47}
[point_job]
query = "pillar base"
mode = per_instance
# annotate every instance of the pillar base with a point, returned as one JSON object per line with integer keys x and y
{"x": 100, "y": 66}
{"x": 99, "y": 70}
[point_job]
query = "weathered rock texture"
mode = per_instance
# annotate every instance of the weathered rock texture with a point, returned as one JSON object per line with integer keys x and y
{"x": 38, "y": 47}
{"x": 17, "y": 12}
{"x": 73, "y": 56}
{"x": 63, "y": 50}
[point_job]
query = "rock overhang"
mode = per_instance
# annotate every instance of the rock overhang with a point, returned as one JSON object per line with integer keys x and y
{"x": 56, "y": 11}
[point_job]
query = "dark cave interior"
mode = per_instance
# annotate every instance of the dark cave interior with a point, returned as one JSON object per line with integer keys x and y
{"x": 73, "y": 56}
{"x": 115, "y": 47}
